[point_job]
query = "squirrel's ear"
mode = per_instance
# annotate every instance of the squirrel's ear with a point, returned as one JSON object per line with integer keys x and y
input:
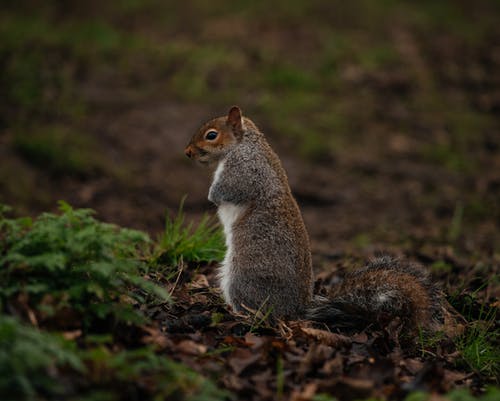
{"x": 234, "y": 118}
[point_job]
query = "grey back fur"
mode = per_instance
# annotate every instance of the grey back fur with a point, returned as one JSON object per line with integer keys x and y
{"x": 268, "y": 266}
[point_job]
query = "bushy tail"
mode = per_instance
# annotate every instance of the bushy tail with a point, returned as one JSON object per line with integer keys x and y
{"x": 341, "y": 313}
{"x": 378, "y": 293}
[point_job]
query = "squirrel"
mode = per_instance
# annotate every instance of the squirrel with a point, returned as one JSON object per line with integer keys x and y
{"x": 268, "y": 266}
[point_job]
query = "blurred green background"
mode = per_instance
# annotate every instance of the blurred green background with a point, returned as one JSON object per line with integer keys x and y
{"x": 393, "y": 104}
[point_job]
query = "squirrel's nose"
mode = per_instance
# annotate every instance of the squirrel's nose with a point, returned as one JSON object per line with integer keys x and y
{"x": 188, "y": 152}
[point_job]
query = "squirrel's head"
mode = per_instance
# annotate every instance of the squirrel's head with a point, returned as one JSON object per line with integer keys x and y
{"x": 215, "y": 138}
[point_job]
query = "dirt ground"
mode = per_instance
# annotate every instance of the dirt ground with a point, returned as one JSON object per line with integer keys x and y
{"x": 415, "y": 154}
{"x": 369, "y": 199}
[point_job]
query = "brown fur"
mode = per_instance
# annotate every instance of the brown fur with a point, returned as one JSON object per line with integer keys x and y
{"x": 268, "y": 262}
{"x": 383, "y": 290}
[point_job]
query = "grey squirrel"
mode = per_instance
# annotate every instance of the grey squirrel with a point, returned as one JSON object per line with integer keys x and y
{"x": 268, "y": 265}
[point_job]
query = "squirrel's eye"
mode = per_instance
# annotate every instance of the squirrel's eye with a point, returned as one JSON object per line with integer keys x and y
{"x": 211, "y": 135}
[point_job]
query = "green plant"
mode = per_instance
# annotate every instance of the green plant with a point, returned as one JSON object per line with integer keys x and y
{"x": 203, "y": 242}
{"x": 33, "y": 362}
{"x": 324, "y": 397}
{"x": 74, "y": 265}
{"x": 64, "y": 269}
{"x": 27, "y": 355}
{"x": 478, "y": 346}
{"x": 417, "y": 396}
{"x": 440, "y": 266}
{"x": 491, "y": 394}
{"x": 260, "y": 318}
{"x": 144, "y": 372}
{"x": 429, "y": 342}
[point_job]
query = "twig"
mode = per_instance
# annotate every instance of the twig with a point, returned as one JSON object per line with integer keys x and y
{"x": 181, "y": 269}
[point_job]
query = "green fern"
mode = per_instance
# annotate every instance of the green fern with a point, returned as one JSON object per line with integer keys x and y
{"x": 167, "y": 379}
{"x": 27, "y": 355}
{"x": 85, "y": 265}
{"x": 34, "y": 363}
{"x": 72, "y": 263}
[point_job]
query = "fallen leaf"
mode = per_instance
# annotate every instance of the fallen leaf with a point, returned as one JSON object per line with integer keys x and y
{"x": 261, "y": 381}
{"x": 241, "y": 359}
{"x": 199, "y": 298}
{"x": 253, "y": 341}
{"x": 354, "y": 358}
{"x": 278, "y": 344}
{"x": 155, "y": 336}
{"x": 455, "y": 377}
{"x": 412, "y": 365}
{"x": 71, "y": 335}
{"x": 357, "y": 384}
{"x": 306, "y": 394}
{"x": 333, "y": 366}
{"x": 361, "y": 338}
{"x": 231, "y": 340}
{"x": 190, "y": 347}
{"x": 327, "y": 337}
{"x": 316, "y": 355}
{"x": 198, "y": 281}
{"x": 233, "y": 382}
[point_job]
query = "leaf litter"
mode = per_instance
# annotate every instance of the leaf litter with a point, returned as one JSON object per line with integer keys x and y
{"x": 297, "y": 360}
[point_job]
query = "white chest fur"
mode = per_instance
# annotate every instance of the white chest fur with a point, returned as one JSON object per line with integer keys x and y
{"x": 228, "y": 213}
{"x": 218, "y": 173}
